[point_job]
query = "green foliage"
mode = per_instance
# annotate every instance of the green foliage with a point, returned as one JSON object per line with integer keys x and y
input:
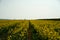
{"x": 40, "y": 30}
{"x": 13, "y": 31}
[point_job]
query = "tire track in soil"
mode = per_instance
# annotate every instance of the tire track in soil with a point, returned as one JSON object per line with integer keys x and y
{"x": 29, "y": 32}
{"x": 32, "y": 32}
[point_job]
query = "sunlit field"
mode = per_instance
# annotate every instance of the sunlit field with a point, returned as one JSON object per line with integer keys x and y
{"x": 29, "y": 29}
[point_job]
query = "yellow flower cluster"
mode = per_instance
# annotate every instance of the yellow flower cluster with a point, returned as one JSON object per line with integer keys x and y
{"x": 45, "y": 29}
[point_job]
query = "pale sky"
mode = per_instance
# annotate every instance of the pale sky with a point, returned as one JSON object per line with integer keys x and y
{"x": 29, "y": 9}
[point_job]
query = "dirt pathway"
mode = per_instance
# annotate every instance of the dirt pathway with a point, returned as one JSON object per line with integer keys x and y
{"x": 29, "y": 32}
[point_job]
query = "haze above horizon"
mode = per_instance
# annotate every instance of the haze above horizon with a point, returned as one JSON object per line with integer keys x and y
{"x": 29, "y": 9}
